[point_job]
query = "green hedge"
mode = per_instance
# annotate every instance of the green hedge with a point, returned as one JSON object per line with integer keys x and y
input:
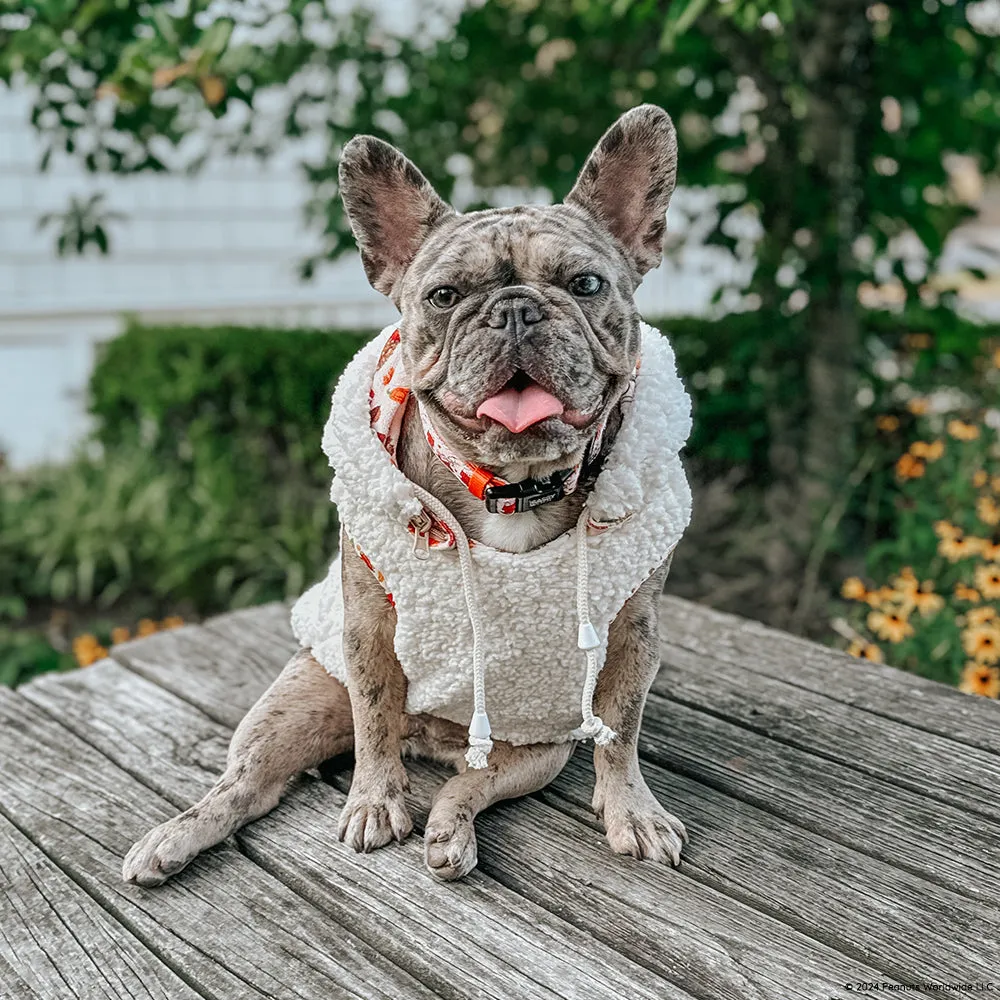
{"x": 178, "y": 390}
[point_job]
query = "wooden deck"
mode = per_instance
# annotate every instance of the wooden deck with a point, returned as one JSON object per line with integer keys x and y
{"x": 844, "y": 821}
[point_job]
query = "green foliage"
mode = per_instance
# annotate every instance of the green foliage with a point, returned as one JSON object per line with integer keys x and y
{"x": 82, "y": 225}
{"x": 205, "y": 485}
{"x": 257, "y": 395}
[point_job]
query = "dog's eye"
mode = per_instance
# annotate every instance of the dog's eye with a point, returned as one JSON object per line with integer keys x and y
{"x": 444, "y": 297}
{"x": 586, "y": 284}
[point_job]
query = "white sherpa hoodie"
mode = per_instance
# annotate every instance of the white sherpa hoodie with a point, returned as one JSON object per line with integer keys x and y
{"x": 534, "y": 611}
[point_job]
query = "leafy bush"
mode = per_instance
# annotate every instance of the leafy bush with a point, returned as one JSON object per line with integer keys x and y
{"x": 203, "y": 487}
{"x": 191, "y": 393}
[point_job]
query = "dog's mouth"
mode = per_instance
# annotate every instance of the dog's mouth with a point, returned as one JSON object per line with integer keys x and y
{"x": 520, "y": 404}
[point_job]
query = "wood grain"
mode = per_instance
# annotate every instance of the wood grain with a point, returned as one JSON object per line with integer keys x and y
{"x": 931, "y": 839}
{"x": 869, "y": 687}
{"x": 459, "y": 940}
{"x": 58, "y": 941}
{"x": 236, "y": 930}
{"x": 701, "y": 924}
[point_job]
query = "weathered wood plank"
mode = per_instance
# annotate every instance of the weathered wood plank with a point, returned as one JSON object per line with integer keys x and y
{"x": 481, "y": 938}
{"x": 199, "y": 663}
{"x": 930, "y": 765}
{"x": 913, "y": 928}
{"x": 236, "y": 930}
{"x": 710, "y": 944}
{"x": 932, "y": 839}
{"x": 13, "y": 987}
{"x": 704, "y": 942}
{"x": 61, "y": 943}
{"x": 880, "y": 690}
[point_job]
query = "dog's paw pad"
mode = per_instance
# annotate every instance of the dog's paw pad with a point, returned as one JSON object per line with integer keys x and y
{"x": 651, "y": 834}
{"x": 370, "y": 821}
{"x": 450, "y": 849}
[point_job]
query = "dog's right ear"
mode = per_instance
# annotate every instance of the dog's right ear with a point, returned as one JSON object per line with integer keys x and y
{"x": 391, "y": 206}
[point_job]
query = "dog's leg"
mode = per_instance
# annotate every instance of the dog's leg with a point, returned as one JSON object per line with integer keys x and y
{"x": 450, "y": 837}
{"x": 303, "y": 718}
{"x": 375, "y": 812}
{"x": 635, "y": 822}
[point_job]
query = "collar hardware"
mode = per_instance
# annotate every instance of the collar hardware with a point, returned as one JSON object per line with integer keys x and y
{"x": 526, "y": 494}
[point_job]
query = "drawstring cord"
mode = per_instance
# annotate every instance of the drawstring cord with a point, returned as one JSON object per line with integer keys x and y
{"x": 592, "y": 726}
{"x": 480, "y": 743}
{"x": 588, "y": 640}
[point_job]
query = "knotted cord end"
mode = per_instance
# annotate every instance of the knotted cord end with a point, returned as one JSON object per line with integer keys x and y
{"x": 594, "y": 729}
{"x": 477, "y": 756}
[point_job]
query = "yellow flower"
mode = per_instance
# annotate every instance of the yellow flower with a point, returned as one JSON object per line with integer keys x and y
{"x": 931, "y": 451}
{"x": 145, "y": 627}
{"x": 887, "y": 423}
{"x": 926, "y": 601}
{"x": 989, "y": 550}
{"x": 988, "y": 580}
{"x": 906, "y": 582}
{"x": 982, "y": 643}
{"x": 980, "y": 616}
{"x": 853, "y": 589}
{"x": 964, "y": 593}
{"x": 962, "y": 431}
{"x": 891, "y": 625}
{"x": 918, "y": 406}
{"x": 85, "y": 649}
{"x": 980, "y": 478}
{"x": 945, "y": 529}
{"x": 119, "y": 634}
{"x": 959, "y": 547}
{"x": 908, "y": 467}
{"x": 995, "y": 484}
{"x": 866, "y": 651}
{"x": 880, "y": 596}
{"x": 988, "y": 511}
{"x": 172, "y": 621}
{"x": 977, "y": 678}
{"x": 996, "y": 358}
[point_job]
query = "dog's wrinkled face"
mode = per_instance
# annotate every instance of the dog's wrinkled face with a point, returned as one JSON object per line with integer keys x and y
{"x": 518, "y": 326}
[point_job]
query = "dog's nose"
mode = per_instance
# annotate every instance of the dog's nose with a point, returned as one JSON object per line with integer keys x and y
{"x": 515, "y": 314}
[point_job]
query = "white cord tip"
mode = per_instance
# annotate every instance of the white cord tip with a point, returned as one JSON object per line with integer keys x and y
{"x": 480, "y": 726}
{"x": 587, "y": 637}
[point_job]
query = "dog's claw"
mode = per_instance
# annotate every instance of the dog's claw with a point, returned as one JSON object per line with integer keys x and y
{"x": 370, "y": 821}
{"x": 650, "y": 834}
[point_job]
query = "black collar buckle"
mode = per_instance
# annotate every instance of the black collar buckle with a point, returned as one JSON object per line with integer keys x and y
{"x": 526, "y": 494}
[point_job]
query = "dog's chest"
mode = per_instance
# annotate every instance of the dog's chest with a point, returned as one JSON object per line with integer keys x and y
{"x": 516, "y": 532}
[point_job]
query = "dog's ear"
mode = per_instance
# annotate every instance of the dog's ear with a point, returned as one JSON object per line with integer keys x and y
{"x": 628, "y": 179}
{"x": 391, "y": 206}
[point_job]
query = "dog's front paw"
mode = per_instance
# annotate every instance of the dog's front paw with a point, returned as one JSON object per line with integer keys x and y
{"x": 450, "y": 846}
{"x": 374, "y": 815}
{"x": 646, "y": 831}
{"x": 164, "y": 851}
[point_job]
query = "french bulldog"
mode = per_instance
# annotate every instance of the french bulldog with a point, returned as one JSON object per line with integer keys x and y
{"x": 541, "y": 293}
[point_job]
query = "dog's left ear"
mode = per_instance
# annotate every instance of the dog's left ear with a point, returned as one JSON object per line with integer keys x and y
{"x": 628, "y": 179}
{"x": 391, "y": 206}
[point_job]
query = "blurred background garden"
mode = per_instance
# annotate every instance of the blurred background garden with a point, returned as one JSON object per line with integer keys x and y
{"x": 179, "y": 291}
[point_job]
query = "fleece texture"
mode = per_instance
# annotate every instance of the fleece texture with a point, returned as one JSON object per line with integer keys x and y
{"x": 637, "y": 510}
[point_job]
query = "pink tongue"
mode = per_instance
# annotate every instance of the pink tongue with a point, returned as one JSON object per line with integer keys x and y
{"x": 517, "y": 409}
